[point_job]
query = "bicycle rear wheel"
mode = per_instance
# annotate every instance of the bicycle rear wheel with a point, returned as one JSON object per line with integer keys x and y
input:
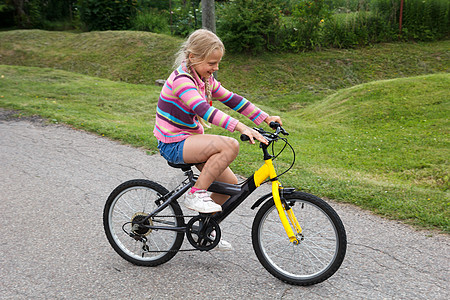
{"x": 133, "y": 201}
{"x": 321, "y": 249}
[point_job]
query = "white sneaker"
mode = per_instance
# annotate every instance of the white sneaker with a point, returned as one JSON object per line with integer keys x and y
{"x": 201, "y": 202}
{"x": 222, "y": 245}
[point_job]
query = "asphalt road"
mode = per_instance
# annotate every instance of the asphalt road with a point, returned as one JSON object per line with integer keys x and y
{"x": 55, "y": 180}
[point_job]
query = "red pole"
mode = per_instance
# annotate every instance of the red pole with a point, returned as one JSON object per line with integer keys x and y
{"x": 401, "y": 17}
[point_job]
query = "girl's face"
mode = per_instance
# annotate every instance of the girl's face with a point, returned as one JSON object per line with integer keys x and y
{"x": 208, "y": 66}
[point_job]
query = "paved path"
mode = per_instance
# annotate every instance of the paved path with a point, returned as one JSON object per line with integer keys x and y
{"x": 54, "y": 182}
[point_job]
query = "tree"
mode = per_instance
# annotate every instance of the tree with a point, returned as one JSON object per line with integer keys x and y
{"x": 36, "y": 13}
{"x": 23, "y": 19}
{"x": 208, "y": 15}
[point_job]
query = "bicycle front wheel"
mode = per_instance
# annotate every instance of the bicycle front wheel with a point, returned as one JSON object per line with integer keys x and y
{"x": 130, "y": 202}
{"x": 322, "y": 244}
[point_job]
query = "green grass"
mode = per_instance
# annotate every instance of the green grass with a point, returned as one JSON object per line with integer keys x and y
{"x": 384, "y": 146}
{"x": 117, "y": 110}
{"x": 134, "y": 57}
{"x": 369, "y": 127}
{"x": 381, "y": 145}
{"x": 142, "y": 57}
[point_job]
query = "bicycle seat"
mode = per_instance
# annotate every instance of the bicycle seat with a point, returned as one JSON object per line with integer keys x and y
{"x": 184, "y": 167}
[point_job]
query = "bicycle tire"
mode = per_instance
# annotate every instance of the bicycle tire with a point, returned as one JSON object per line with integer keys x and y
{"x": 136, "y": 198}
{"x": 317, "y": 257}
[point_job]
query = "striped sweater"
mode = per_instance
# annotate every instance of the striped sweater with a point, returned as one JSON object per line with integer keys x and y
{"x": 183, "y": 98}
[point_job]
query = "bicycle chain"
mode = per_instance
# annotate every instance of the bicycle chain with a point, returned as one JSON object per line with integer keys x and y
{"x": 179, "y": 250}
{"x": 183, "y": 216}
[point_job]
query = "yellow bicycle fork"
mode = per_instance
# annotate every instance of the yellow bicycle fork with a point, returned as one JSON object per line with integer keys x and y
{"x": 268, "y": 171}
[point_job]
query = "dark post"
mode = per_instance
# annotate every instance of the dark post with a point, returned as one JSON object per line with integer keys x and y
{"x": 400, "y": 21}
{"x": 209, "y": 15}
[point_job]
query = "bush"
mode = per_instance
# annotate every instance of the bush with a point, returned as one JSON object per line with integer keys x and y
{"x": 151, "y": 20}
{"x": 6, "y": 15}
{"x": 41, "y": 14}
{"x": 185, "y": 18}
{"x": 355, "y": 29}
{"x": 426, "y": 19}
{"x": 307, "y": 19}
{"x": 422, "y": 19}
{"x": 347, "y": 6}
{"x": 249, "y": 26}
{"x": 107, "y": 14}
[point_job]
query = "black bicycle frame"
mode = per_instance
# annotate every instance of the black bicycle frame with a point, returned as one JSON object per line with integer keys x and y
{"x": 237, "y": 192}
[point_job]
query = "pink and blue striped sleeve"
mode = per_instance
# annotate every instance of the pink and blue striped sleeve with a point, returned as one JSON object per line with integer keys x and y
{"x": 238, "y": 103}
{"x": 186, "y": 90}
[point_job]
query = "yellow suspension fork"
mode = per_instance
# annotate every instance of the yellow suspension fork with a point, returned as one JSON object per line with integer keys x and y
{"x": 293, "y": 220}
{"x": 268, "y": 170}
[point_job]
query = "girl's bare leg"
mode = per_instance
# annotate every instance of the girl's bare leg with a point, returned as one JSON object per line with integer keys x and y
{"x": 217, "y": 152}
{"x": 228, "y": 177}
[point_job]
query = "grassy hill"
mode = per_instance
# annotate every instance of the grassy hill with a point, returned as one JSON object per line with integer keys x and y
{"x": 134, "y": 57}
{"x": 376, "y": 142}
{"x": 389, "y": 137}
{"x": 142, "y": 57}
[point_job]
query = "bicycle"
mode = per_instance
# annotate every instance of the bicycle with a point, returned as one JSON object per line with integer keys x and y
{"x": 145, "y": 225}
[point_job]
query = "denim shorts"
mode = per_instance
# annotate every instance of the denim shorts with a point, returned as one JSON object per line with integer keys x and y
{"x": 172, "y": 152}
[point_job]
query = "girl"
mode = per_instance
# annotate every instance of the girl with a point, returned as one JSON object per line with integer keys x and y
{"x": 185, "y": 104}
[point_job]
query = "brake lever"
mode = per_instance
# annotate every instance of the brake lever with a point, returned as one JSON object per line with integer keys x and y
{"x": 267, "y": 135}
{"x": 245, "y": 138}
{"x": 278, "y": 128}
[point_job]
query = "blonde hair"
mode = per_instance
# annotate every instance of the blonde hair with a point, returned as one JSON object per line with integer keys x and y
{"x": 200, "y": 43}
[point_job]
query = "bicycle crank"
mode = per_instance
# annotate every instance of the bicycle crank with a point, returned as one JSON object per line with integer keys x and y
{"x": 203, "y": 232}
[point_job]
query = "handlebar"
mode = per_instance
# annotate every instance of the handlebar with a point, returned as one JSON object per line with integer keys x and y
{"x": 269, "y": 136}
{"x": 278, "y": 128}
{"x": 244, "y": 138}
{"x": 274, "y": 125}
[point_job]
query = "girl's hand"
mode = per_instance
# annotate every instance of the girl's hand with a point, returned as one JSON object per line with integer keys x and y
{"x": 273, "y": 119}
{"x": 251, "y": 133}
